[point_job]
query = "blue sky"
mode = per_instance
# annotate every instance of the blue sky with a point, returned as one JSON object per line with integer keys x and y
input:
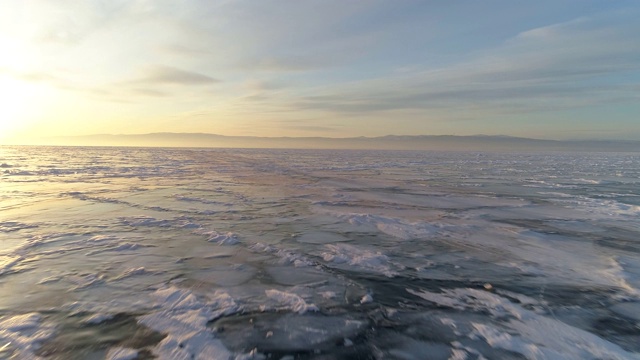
{"x": 544, "y": 69}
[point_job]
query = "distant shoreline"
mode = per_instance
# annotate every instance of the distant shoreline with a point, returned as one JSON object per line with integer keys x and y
{"x": 390, "y": 142}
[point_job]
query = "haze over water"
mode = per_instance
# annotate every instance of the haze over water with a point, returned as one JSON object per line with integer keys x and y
{"x": 133, "y": 253}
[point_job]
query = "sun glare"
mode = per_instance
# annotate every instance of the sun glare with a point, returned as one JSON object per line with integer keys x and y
{"x": 15, "y": 96}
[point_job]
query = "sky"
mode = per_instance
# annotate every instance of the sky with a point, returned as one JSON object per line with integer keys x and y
{"x": 547, "y": 69}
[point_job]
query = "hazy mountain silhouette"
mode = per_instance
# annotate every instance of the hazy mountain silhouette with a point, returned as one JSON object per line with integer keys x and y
{"x": 390, "y": 142}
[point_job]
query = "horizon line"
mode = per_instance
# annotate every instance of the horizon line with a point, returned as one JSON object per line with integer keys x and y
{"x": 339, "y": 138}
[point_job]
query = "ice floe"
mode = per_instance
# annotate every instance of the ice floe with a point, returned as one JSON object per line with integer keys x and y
{"x": 290, "y": 301}
{"x": 23, "y": 334}
{"x": 361, "y": 259}
{"x": 524, "y": 331}
{"x": 183, "y": 315}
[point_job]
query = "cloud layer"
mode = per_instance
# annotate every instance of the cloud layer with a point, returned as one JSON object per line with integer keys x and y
{"x": 329, "y": 68}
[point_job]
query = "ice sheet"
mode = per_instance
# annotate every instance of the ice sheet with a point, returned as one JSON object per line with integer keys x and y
{"x": 328, "y": 254}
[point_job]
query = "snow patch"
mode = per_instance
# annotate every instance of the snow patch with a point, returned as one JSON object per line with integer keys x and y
{"x": 286, "y": 256}
{"x": 11, "y": 226}
{"x": 119, "y": 353}
{"x": 137, "y": 221}
{"x": 8, "y": 262}
{"x": 23, "y": 334}
{"x": 228, "y": 238}
{"x": 98, "y": 318}
{"x": 517, "y": 329}
{"x": 133, "y": 272}
{"x": 362, "y": 259}
{"x": 291, "y": 301}
{"x": 394, "y": 227}
{"x": 183, "y": 316}
{"x": 366, "y": 299}
{"x": 121, "y": 247}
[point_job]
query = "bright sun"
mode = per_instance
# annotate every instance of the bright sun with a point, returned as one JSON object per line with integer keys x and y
{"x": 15, "y": 96}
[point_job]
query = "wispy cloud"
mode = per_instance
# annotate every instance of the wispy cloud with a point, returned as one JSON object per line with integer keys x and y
{"x": 184, "y": 50}
{"x": 314, "y": 128}
{"x": 150, "y": 92}
{"x": 263, "y": 85}
{"x": 160, "y": 74}
{"x": 566, "y": 65}
{"x": 37, "y": 77}
{"x": 286, "y": 63}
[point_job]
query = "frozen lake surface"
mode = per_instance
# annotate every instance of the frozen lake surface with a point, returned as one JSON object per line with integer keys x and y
{"x": 124, "y": 253}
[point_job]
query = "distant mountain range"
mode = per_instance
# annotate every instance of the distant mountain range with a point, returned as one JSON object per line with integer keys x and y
{"x": 390, "y": 142}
